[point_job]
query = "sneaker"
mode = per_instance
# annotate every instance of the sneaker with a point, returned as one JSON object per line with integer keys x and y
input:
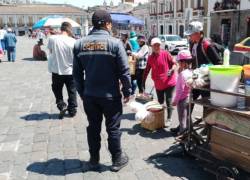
{"x": 63, "y": 108}
{"x": 119, "y": 162}
{"x": 169, "y": 122}
{"x": 175, "y": 130}
{"x": 72, "y": 112}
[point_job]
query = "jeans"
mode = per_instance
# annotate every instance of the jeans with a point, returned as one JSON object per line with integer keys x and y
{"x": 139, "y": 78}
{"x": 133, "y": 84}
{"x": 168, "y": 93}
{"x": 58, "y": 82}
{"x": 11, "y": 53}
{"x": 95, "y": 108}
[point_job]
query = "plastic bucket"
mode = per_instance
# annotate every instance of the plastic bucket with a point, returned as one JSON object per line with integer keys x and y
{"x": 246, "y": 69}
{"x": 224, "y": 78}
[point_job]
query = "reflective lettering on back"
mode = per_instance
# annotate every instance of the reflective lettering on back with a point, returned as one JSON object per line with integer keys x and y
{"x": 94, "y": 46}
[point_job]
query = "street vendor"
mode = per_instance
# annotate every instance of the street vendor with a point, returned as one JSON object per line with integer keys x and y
{"x": 203, "y": 52}
{"x": 163, "y": 74}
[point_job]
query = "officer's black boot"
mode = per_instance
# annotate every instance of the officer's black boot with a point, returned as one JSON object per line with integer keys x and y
{"x": 62, "y": 106}
{"x": 94, "y": 162}
{"x": 119, "y": 161}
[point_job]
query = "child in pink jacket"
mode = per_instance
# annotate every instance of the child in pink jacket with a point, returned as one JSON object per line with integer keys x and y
{"x": 184, "y": 59}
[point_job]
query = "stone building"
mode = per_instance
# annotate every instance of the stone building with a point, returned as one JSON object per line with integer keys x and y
{"x": 172, "y": 16}
{"x": 231, "y": 20}
{"x": 21, "y": 17}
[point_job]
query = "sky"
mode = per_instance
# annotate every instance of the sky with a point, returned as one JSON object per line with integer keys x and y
{"x": 80, "y": 3}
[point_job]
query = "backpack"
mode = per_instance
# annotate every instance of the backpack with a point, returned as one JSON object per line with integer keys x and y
{"x": 218, "y": 48}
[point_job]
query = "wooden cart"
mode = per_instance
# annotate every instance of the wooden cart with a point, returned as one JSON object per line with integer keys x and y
{"x": 224, "y": 152}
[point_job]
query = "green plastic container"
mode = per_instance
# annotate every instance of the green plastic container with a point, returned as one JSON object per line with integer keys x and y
{"x": 224, "y": 78}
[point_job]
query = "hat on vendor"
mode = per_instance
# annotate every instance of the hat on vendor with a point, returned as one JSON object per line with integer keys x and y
{"x": 155, "y": 40}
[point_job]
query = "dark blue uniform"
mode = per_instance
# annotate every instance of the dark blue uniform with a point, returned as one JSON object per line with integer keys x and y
{"x": 100, "y": 61}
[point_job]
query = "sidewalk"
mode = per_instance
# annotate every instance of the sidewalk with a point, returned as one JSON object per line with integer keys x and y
{"x": 36, "y": 145}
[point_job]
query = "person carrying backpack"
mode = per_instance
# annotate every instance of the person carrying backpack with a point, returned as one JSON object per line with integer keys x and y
{"x": 203, "y": 52}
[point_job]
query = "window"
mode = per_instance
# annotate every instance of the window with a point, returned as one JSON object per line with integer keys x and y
{"x": 173, "y": 38}
{"x": 161, "y": 29}
{"x": 247, "y": 43}
{"x": 162, "y": 38}
{"x": 170, "y": 29}
{"x": 10, "y": 21}
{"x": 180, "y": 5}
{"x": 181, "y": 31}
{"x": 1, "y": 22}
{"x": 20, "y": 21}
{"x": 30, "y": 20}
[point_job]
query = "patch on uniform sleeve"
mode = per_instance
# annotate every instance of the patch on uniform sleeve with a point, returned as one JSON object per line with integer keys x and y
{"x": 95, "y": 46}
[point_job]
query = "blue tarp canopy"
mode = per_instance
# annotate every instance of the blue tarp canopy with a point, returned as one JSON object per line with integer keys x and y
{"x": 126, "y": 19}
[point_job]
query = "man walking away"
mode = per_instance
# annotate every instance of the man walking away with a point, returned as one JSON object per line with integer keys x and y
{"x": 61, "y": 65}
{"x": 10, "y": 45}
{"x": 100, "y": 62}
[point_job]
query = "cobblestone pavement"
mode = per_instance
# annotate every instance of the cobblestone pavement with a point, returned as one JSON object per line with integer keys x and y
{"x": 35, "y": 144}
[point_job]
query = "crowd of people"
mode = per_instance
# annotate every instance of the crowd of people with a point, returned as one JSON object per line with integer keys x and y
{"x": 97, "y": 67}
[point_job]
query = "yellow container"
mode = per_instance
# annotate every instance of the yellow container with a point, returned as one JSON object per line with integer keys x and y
{"x": 246, "y": 69}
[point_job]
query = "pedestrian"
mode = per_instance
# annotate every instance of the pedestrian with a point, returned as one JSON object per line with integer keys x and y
{"x": 135, "y": 48}
{"x": 100, "y": 63}
{"x": 133, "y": 41}
{"x": 184, "y": 59}
{"x": 61, "y": 66}
{"x": 10, "y": 45}
{"x": 38, "y": 53}
{"x": 141, "y": 61}
{"x": 163, "y": 74}
{"x": 203, "y": 52}
{"x": 2, "y": 34}
{"x": 1, "y": 53}
{"x": 126, "y": 44}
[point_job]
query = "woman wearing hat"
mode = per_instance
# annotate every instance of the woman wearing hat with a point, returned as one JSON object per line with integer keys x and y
{"x": 38, "y": 53}
{"x": 141, "y": 61}
{"x": 163, "y": 75}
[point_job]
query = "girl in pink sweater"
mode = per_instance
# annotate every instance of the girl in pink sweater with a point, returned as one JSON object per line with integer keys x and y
{"x": 184, "y": 59}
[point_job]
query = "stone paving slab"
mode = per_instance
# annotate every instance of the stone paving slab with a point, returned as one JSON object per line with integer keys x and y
{"x": 35, "y": 144}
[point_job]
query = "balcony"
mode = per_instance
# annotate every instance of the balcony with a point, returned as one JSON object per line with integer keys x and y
{"x": 198, "y": 13}
{"x": 226, "y": 5}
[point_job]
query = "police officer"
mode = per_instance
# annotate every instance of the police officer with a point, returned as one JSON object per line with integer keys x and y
{"x": 100, "y": 61}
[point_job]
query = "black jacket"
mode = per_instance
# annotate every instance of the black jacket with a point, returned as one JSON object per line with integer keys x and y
{"x": 100, "y": 61}
{"x": 206, "y": 54}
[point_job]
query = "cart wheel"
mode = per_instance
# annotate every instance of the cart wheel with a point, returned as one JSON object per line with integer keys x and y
{"x": 226, "y": 173}
{"x": 190, "y": 145}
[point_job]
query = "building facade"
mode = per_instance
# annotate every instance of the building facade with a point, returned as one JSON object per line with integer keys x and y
{"x": 142, "y": 12}
{"x": 172, "y": 16}
{"x": 231, "y": 20}
{"x": 21, "y": 17}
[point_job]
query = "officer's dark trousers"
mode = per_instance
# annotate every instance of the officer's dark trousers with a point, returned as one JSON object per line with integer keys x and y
{"x": 58, "y": 82}
{"x": 111, "y": 109}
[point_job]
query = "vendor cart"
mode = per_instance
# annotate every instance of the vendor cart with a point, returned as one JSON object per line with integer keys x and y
{"x": 221, "y": 139}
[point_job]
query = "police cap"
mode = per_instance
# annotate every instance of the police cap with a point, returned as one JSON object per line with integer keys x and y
{"x": 100, "y": 17}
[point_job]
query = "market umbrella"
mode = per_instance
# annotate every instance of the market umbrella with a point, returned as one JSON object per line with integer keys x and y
{"x": 53, "y": 21}
{"x": 126, "y": 19}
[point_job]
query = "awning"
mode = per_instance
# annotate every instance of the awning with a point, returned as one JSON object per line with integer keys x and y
{"x": 126, "y": 19}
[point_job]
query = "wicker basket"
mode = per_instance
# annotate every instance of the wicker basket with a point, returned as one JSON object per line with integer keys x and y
{"x": 154, "y": 121}
{"x": 132, "y": 65}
